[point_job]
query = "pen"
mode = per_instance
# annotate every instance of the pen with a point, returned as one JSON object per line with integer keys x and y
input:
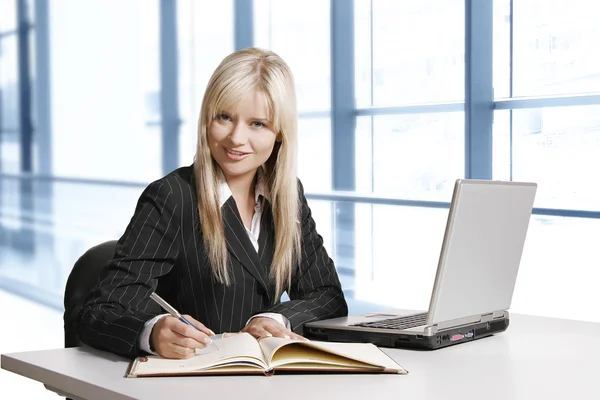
{"x": 171, "y": 310}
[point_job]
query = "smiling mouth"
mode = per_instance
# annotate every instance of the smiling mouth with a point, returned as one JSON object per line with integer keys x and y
{"x": 236, "y": 153}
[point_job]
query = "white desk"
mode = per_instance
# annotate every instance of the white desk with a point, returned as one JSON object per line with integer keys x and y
{"x": 536, "y": 358}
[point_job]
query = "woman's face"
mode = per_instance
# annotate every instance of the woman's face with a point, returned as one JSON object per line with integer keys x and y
{"x": 242, "y": 139}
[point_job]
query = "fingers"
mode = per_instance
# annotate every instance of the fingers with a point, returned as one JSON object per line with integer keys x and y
{"x": 176, "y": 351}
{"x": 267, "y": 327}
{"x": 186, "y": 331}
{"x": 172, "y": 338}
{"x": 199, "y": 325}
{"x": 283, "y": 332}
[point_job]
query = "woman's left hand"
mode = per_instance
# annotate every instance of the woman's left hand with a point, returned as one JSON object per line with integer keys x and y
{"x": 262, "y": 327}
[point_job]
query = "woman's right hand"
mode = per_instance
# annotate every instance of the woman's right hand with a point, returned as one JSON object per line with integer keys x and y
{"x": 171, "y": 338}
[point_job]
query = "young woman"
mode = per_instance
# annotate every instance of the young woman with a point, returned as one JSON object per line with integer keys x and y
{"x": 223, "y": 239}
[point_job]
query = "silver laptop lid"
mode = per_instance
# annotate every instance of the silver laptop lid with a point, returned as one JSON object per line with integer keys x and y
{"x": 482, "y": 247}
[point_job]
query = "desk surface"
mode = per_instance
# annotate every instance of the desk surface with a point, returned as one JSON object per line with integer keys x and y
{"x": 536, "y": 358}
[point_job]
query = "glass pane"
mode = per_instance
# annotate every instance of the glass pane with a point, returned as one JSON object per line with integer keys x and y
{"x": 9, "y": 106}
{"x": 417, "y": 52}
{"x": 501, "y": 146}
{"x": 399, "y": 249}
{"x": 363, "y": 142}
{"x": 9, "y": 84}
{"x": 558, "y": 148}
{"x": 553, "y": 47}
{"x": 289, "y": 28}
{"x": 418, "y": 156}
{"x": 8, "y": 16}
{"x": 560, "y": 265}
{"x": 501, "y": 48}
{"x": 203, "y": 42}
{"x": 363, "y": 56}
{"x": 314, "y": 154}
{"x": 102, "y": 80}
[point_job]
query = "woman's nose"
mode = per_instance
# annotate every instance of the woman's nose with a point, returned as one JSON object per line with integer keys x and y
{"x": 238, "y": 135}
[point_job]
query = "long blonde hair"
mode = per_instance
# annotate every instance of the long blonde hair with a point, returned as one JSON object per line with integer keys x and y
{"x": 238, "y": 75}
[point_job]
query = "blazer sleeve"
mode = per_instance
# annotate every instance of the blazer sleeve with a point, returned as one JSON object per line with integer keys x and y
{"x": 316, "y": 292}
{"x": 117, "y": 308}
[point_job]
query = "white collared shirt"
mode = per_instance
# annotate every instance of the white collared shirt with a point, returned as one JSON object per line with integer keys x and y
{"x": 253, "y": 234}
{"x": 254, "y": 231}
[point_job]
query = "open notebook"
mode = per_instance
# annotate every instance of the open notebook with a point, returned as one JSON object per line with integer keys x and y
{"x": 243, "y": 354}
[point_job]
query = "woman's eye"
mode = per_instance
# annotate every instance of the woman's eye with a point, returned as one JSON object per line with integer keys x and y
{"x": 258, "y": 124}
{"x": 223, "y": 117}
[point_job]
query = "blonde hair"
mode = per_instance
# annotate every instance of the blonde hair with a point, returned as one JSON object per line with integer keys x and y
{"x": 238, "y": 75}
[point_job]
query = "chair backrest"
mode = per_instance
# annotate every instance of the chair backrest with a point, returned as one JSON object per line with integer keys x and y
{"x": 82, "y": 279}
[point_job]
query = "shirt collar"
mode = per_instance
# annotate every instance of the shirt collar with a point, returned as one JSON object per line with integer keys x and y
{"x": 225, "y": 192}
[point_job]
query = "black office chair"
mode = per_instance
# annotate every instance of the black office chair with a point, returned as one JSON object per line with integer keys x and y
{"x": 82, "y": 279}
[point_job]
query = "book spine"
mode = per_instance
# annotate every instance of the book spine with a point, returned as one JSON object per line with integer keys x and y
{"x": 132, "y": 367}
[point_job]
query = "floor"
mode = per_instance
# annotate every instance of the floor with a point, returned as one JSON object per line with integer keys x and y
{"x": 16, "y": 335}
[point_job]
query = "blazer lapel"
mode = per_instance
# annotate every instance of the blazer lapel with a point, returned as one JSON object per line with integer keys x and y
{"x": 266, "y": 238}
{"x": 239, "y": 243}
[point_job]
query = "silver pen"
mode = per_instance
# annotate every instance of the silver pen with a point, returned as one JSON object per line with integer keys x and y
{"x": 171, "y": 310}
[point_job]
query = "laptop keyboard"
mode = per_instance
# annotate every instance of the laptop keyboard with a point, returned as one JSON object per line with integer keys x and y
{"x": 410, "y": 321}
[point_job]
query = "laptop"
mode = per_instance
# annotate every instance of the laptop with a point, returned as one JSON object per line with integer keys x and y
{"x": 475, "y": 279}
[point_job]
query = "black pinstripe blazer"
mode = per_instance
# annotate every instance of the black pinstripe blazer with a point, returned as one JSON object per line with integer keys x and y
{"x": 162, "y": 249}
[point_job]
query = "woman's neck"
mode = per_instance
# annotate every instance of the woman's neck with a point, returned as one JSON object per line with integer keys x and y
{"x": 242, "y": 187}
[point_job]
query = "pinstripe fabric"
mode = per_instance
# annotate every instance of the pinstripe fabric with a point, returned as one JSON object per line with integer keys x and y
{"x": 162, "y": 250}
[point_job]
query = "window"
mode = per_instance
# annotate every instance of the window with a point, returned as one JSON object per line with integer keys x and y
{"x": 409, "y": 82}
{"x": 552, "y": 137}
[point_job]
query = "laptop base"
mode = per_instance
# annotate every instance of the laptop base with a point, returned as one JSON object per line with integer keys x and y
{"x": 396, "y": 339}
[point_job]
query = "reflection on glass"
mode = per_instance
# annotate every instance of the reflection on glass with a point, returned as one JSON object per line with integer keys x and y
{"x": 43, "y": 231}
{"x": 554, "y": 44}
{"x": 559, "y": 149}
{"x": 418, "y": 156}
{"x": 45, "y": 227}
{"x": 417, "y": 51}
{"x": 299, "y": 31}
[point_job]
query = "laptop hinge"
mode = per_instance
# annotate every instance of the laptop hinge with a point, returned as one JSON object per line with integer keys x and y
{"x": 431, "y": 330}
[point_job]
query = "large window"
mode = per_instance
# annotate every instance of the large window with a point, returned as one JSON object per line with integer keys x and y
{"x": 397, "y": 99}
{"x": 547, "y": 130}
{"x": 409, "y": 82}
